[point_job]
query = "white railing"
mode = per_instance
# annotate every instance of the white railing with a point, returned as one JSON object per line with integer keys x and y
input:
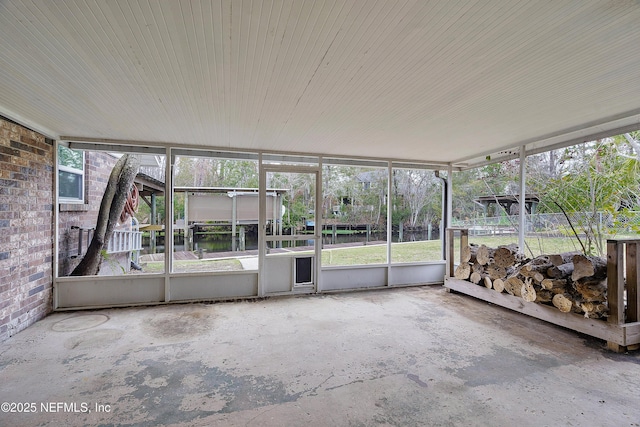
{"x": 124, "y": 241}
{"x": 121, "y": 241}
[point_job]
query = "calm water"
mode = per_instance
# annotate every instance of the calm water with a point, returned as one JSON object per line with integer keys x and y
{"x": 222, "y": 242}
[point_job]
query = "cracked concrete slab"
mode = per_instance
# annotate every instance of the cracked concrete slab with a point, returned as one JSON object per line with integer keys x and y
{"x": 397, "y": 357}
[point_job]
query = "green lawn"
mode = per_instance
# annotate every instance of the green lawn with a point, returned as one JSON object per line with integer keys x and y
{"x": 377, "y": 254}
{"x": 195, "y": 265}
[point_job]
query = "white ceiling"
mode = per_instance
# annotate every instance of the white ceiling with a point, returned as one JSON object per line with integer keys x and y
{"x": 437, "y": 81}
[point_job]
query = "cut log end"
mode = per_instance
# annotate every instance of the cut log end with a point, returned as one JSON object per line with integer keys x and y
{"x": 482, "y": 256}
{"x": 527, "y": 291}
{"x": 513, "y": 286}
{"x": 475, "y": 277}
{"x": 463, "y": 271}
{"x": 487, "y": 282}
{"x": 562, "y": 303}
{"x": 588, "y": 266}
{"x": 465, "y": 254}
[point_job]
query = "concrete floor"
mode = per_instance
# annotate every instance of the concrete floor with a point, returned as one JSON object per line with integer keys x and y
{"x": 400, "y": 357}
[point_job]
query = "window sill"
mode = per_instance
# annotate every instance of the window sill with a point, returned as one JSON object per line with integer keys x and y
{"x": 74, "y": 207}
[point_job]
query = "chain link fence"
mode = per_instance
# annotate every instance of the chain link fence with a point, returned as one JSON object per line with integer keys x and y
{"x": 556, "y": 232}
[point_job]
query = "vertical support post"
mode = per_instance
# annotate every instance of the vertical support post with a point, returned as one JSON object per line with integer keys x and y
{"x": 234, "y": 219}
{"x": 334, "y": 232}
{"x": 449, "y": 251}
{"x": 522, "y": 220}
{"x": 389, "y": 221}
{"x": 317, "y": 229}
{"x": 400, "y": 231}
{"x": 274, "y": 219}
{"x": 447, "y": 218}
{"x": 450, "y": 247}
{"x": 56, "y": 226}
{"x": 633, "y": 298}
{"x": 154, "y": 221}
{"x": 389, "y": 218}
{"x": 615, "y": 288}
{"x": 279, "y": 203}
{"x": 262, "y": 224}
{"x": 615, "y": 282}
{"x": 168, "y": 222}
{"x": 464, "y": 240}
{"x": 187, "y": 243}
{"x": 242, "y": 239}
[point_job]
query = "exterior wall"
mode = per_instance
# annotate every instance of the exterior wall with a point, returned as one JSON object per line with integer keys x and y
{"x": 98, "y": 166}
{"x": 26, "y": 227}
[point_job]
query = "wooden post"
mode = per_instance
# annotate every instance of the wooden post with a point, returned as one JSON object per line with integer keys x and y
{"x": 464, "y": 240}
{"x": 615, "y": 280}
{"x": 615, "y": 288}
{"x": 334, "y": 233}
{"x": 449, "y": 251}
{"x": 400, "y": 232}
{"x": 450, "y": 247}
{"x": 633, "y": 298}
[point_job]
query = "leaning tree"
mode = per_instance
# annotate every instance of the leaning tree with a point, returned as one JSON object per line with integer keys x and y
{"x": 113, "y": 203}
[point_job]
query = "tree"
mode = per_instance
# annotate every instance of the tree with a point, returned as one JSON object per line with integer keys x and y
{"x": 598, "y": 177}
{"x": 113, "y": 202}
{"x": 415, "y": 190}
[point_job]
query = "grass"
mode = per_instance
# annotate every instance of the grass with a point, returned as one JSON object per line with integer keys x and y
{"x": 429, "y": 250}
{"x": 227, "y": 264}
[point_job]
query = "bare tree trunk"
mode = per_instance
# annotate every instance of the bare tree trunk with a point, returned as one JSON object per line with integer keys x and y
{"x": 113, "y": 201}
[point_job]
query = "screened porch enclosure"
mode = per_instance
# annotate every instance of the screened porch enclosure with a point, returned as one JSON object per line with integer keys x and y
{"x": 249, "y": 225}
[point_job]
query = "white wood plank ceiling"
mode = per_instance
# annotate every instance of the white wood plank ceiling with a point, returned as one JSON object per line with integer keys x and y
{"x": 436, "y": 81}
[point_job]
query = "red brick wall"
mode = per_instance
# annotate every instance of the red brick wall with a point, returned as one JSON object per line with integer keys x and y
{"x": 98, "y": 166}
{"x": 26, "y": 227}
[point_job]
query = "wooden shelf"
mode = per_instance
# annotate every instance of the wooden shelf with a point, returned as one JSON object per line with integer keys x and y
{"x": 624, "y": 334}
{"x": 614, "y": 330}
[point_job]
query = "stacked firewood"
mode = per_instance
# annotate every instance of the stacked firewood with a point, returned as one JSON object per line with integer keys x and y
{"x": 571, "y": 282}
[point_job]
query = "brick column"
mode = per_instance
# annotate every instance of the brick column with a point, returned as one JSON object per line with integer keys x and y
{"x": 26, "y": 227}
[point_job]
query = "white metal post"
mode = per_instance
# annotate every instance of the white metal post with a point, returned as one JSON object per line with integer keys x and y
{"x": 56, "y": 226}
{"x": 234, "y": 220}
{"x": 318, "y": 224}
{"x": 168, "y": 222}
{"x": 523, "y": 189}
{"x": 389, "y": 219}
{"x": 449, "y": 220}
{"x": 262, "y": 224}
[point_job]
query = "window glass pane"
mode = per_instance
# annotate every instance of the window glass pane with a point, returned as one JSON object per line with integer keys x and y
{"x": 417, "y": 211}
{"x": 354, "y": 211}
{"x": 70, "y": 158}
{"x": 485, "y": 200}
{"x": 70, "y": 185}
{"x": 137, "y": 243}
{"x": 215, "y": 208}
